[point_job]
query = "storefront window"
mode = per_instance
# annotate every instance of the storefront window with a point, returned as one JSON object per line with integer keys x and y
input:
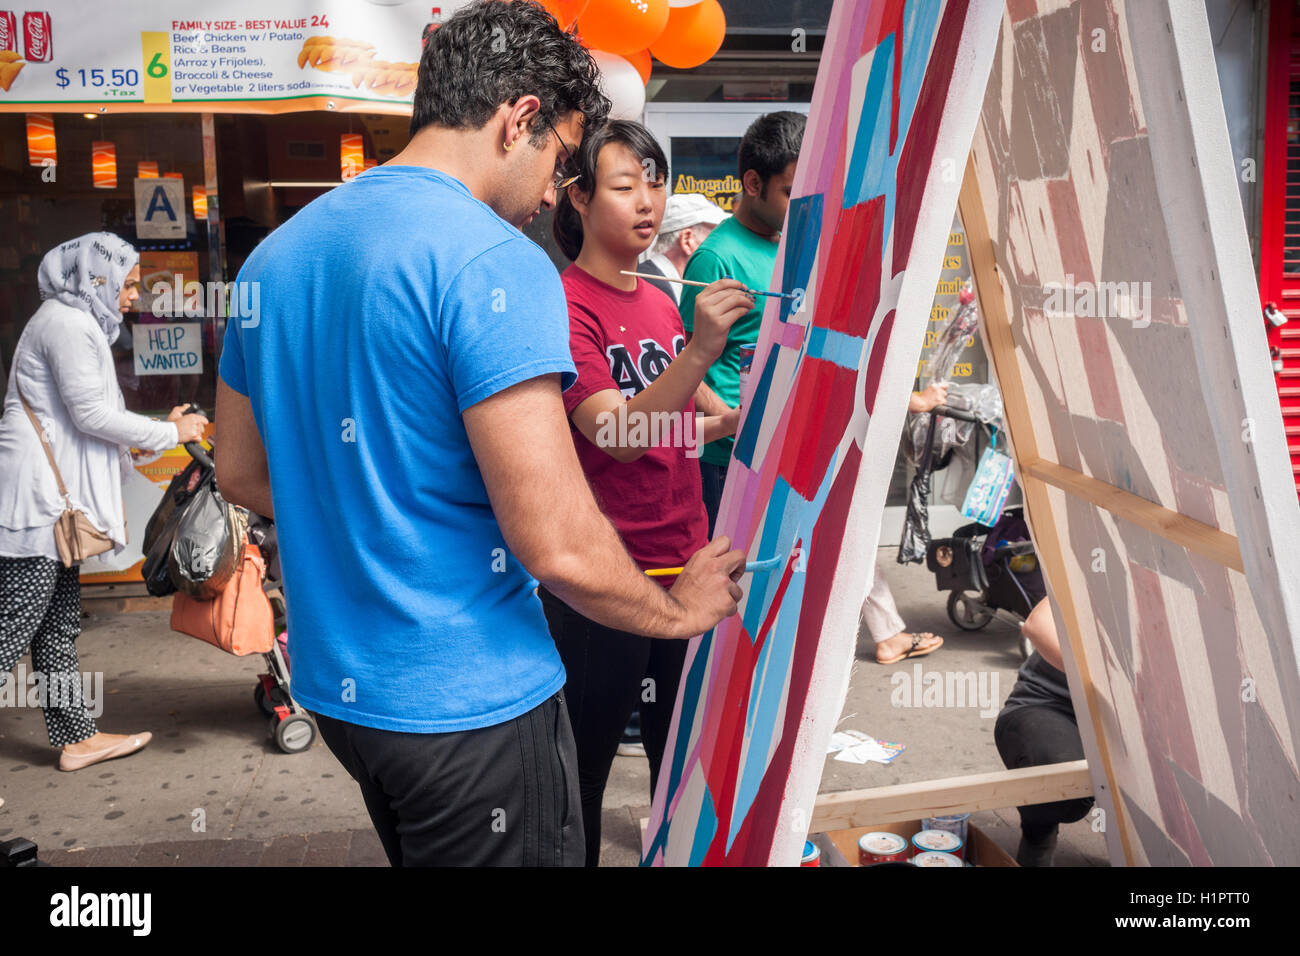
{"x": 92, "y": 187}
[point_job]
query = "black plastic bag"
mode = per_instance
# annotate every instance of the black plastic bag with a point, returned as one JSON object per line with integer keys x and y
{"x": 160, "y": 531}
{"x": 208, "y": 544}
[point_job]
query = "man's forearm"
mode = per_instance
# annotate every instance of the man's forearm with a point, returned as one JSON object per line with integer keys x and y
{"x": 596, "y": 577}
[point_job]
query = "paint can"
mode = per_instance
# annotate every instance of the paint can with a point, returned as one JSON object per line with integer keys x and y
{"x": 746, "y": 363}
{"x": 812, "y": 854}
{"x": 881, "y": 847}
{"x": 955, "y": 823}
{"x": 940, "y": 841}
{"x": 935, "y": 858}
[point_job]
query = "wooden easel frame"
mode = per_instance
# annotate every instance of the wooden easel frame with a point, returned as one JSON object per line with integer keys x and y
{"x": 1036, "y": 475}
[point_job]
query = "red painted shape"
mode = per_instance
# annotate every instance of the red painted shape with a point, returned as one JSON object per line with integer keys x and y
{"x": 876, "y": 362}
{"x": 891, "y": 22}
{"x": 820, "y": 408}
{"x": 1019, "y": 10}
{"x": 1094, "y": 350}
{"x": 760, "y": 826}
{"x": 1162, "y": 701}
{"x": 918, "y": 151}
{"x": 722, "y": 775}
{"x": 850, "y": 283}
{"x": 1063, "y": 200}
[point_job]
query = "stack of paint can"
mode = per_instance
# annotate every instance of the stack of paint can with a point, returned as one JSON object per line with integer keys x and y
{"x": 935, "y": 843}
{"x": 882, "y": 847}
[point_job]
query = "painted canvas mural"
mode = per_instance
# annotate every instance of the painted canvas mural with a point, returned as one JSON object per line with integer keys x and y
{"x": 894, "y": 108}
{"x": 1108, "y": 186}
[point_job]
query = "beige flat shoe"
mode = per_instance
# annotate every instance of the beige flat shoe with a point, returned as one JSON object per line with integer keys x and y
{"x": 127, "y": 747}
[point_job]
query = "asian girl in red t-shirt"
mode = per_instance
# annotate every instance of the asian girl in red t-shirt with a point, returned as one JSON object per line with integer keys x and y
{"x": 636, "y": 434}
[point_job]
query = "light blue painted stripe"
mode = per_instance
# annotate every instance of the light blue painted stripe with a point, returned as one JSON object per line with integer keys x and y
{"x": 839, "y": 347}
{"x": 765, "y": 703}
{"x": 704, "y": 830}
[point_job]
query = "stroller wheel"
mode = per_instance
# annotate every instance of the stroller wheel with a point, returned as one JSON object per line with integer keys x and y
{"x": 259, "y": 698}
{"x": 295, "y": 733}
{"x": 968, "y": 611}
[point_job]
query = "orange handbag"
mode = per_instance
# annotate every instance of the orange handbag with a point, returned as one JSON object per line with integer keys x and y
{"x": 239, "y": 620}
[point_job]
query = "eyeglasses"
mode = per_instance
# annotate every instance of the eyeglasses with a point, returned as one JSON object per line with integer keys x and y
{"x": 564, "y": 177}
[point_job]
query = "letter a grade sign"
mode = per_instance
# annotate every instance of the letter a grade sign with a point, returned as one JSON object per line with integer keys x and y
{"x": 160, "y": 208}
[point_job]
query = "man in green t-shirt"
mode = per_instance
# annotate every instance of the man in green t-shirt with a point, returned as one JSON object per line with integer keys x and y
{"x": 744, "y": 248}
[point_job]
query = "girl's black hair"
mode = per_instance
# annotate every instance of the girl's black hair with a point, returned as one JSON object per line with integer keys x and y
{"x": 566, "y": 226}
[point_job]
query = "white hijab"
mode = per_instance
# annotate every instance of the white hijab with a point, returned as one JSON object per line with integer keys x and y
{"x": 88, "y": 273}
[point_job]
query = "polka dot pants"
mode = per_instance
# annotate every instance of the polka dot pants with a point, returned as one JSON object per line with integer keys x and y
{"x": 40, "y": 607}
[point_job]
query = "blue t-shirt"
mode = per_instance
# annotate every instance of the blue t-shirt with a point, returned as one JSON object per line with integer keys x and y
{"x": 386, "y": 308}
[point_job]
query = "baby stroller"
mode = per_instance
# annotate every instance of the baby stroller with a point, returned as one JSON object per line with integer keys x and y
{"x": 193, "y": 506}
{"x": 990, "y": 572}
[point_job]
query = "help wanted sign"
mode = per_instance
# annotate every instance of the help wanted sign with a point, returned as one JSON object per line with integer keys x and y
{"x": 167, "y": 349}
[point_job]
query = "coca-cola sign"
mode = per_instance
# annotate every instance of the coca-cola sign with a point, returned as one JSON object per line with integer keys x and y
{"x": 36, "y": 37}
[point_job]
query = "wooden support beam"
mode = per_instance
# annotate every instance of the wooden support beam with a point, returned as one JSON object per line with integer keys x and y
{"x": 934, "y": 798}
{"x": 1000, "y": 340}
{"x": 1209, "y": 542}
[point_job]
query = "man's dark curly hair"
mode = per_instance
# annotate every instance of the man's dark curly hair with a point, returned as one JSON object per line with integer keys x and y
{"x": 493, "y": 52}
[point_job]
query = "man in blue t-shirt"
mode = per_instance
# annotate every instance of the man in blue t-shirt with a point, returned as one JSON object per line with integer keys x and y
{"x": 395, "y": 406}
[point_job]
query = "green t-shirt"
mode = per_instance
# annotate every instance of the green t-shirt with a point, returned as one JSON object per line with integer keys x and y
{"x": 730, "y": 252}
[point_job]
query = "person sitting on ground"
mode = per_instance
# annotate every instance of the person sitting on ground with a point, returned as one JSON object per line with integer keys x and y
{"x": 1037, "y": 726}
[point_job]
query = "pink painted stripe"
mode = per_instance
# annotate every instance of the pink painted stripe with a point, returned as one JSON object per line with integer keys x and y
{"x": 790, "y": 335}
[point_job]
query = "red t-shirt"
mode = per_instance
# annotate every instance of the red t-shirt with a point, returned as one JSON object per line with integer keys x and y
{"x": 624, "y": 340}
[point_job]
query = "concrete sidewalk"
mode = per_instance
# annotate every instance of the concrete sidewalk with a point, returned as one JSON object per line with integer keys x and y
{"x": 213, "y": 789}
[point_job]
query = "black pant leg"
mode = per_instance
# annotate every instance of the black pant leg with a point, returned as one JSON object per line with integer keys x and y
{"x": 504, "y": 795}
{"x": 1032, "y": 736}
{"x": 665, "y": 669}
{"x": 337, "y": 736}
{"x": 712, "y": 478}
{"x": 604, "y": 669}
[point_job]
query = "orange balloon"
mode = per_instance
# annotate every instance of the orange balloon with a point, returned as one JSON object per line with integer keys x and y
{"x": 692, "y": 36}
{"x": 641, "y": 61}
{"x": 564, "y": 11}
{"x": 623, "y": 26}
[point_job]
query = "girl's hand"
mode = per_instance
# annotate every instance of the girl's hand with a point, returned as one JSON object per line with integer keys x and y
{"x": 717, "y": 308}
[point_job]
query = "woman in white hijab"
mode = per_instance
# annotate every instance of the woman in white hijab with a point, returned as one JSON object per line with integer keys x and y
{"x": 63, "y": 371}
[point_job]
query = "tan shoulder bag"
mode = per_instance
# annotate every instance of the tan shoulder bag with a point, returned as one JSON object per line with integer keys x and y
{"x": 75, "y": 538}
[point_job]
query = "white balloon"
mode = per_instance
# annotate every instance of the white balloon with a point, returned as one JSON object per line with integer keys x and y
{"x": 683, "y": 3}
{"x": 620, "y": 81}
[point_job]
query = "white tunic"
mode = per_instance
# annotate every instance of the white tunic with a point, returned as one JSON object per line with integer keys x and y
{"x": 65, "y": 368}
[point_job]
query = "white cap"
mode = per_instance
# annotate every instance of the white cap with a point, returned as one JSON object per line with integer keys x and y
{"x": 689, "y": 209}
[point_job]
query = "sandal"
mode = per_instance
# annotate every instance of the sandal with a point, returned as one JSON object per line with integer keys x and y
{"x": 916, "y": 650}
